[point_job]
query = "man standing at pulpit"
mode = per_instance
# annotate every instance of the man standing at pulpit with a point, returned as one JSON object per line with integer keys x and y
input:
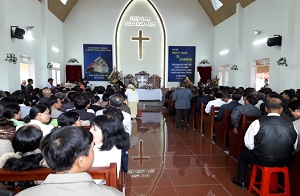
{"x": 182, "y": 97}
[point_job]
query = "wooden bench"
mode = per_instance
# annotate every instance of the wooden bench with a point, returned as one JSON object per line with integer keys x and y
{"x": 209, "y": 122}
{"x": 107, "y": 173}
{"x": 221, "y": 128}
{"x": 236, "y": 141}
{"x": 200, "y": 118}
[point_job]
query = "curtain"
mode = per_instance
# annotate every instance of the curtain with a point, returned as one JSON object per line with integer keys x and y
{"x": 73, "y": 73}
{"x": 205, "y": 73}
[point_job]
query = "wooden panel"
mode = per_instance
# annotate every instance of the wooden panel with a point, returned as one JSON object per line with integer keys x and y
{"x": 60, "y": 10}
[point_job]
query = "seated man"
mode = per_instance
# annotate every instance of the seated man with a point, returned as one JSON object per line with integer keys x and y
{"x": 205, "y": 98}
{"x": 248, "y": 109}
{"x": 271, "y": 141}
{"x": 229, "y": 106}
{"x": 69, "y": 152}
{"x": 46, "y": 94}
{"x": 55, "y": 104}
{"x": 82, "y": 103}
{"x": 217, "y": 102}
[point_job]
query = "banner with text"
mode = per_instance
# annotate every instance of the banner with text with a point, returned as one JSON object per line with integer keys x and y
{"x": 97, "y": 61}
{"x": 181, "y": 63}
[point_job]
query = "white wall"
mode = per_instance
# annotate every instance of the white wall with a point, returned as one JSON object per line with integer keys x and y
{"x": 271, "y": 17}
{"x": 94, "y": 23}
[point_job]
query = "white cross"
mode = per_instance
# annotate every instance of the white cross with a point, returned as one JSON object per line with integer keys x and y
{"x": 142, "y": 79}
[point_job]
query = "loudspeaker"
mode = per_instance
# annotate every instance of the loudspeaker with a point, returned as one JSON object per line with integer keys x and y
{"x": 17, "y": 33}
{"x": 274, "y": 41}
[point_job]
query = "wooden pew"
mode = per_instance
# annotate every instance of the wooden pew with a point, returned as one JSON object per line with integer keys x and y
{"x": 193, "y": 114}
{"x": 294, "y": 173}
{"x": 107, "y": 173}
{"x": 200, "y": 118}
{"x": 209, "y": 122}
{"x": 236, "y": 141}
{"x": 221, "y": 128}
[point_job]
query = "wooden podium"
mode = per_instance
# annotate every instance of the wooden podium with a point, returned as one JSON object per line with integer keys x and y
{"x": 143, "y": 79}
{"x": 155, "y": 80}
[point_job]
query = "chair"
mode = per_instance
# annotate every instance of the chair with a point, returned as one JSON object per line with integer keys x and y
{"x": 209, "y": 122}
{"x": 236, "y": 141}
{"x": 200, "y": 118}
{"x": 222, "y": 128}
{"x": 268, "y": 184}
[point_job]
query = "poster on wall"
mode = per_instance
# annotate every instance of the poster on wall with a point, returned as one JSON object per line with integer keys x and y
{"x": 181, "y": 63}
{"x": 97, "y": 61}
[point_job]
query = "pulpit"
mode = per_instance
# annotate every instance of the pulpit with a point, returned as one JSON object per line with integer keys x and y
{"x": 143, "y": 79}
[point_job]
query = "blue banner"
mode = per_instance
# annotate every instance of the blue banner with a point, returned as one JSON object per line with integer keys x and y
{"x": 181, "y": 63}
{"x": 97, "y": 61}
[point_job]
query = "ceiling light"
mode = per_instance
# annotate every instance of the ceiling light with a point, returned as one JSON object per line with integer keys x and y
{"x": 55, "y": 49}
{"x": 256, "y": 32}
{"x": 260, "y": 41}
{"x": 224, "y": 52}
{"x": 216, "y": 4}
{"x": 64, "y": 1}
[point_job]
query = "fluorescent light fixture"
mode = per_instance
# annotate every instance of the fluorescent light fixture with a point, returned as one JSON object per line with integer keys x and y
{"x": 256, "y": 32}
{"x": 64, "y": 1}
{"x": 28, "y": 36}
{"x": 224, "y": 52}
{"x": 260, "y": 41}
{"x": 216, "y": 4}
{"x": 54, "y": 49}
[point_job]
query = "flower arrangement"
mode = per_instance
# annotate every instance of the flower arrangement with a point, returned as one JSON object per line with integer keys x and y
{"x": 282, "y": 61}
{"x": 204, "y": 61}
{"x": 142, "y": 72}
{"x": 149, "y": 86}
{"x": 132, "y": 80}
{"x": 11, "y": 57}
{"x": 234, "y": 67}
{"x": 50, "y": 65}
{"x": 115, "y": 76}
{"x": 73, "y": 60}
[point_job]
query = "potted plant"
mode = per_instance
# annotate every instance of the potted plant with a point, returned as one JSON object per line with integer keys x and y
{"x": 73, "y": 60}
{"x": 204, "y": 61}
{"x": 11, "y": 57}
{"x": 282, "y": 61}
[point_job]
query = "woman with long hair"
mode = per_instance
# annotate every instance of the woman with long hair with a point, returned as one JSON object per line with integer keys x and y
{"x": 39, "y": 115}
{"x": 69, "y": 119}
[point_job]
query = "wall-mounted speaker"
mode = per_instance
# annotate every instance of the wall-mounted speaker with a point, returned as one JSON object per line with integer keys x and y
{"x": 17, "y": 32}
{"x": 274, "y": 41}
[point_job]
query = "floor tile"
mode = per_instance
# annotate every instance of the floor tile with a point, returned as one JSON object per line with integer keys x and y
{"x": 207, "y": 190}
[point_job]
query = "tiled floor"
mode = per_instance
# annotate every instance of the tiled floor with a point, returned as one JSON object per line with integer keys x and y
{"x": 168, "y": 161}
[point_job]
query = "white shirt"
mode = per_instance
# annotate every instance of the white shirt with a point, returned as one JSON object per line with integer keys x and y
{"x": 126, "y": 122}
{"x": 132, "y": 95}
{"x": 253, "y": 130}
{"x": 104, "y": 158}
{"x": 45, "y": 128}
{"x": 216, "y": 103}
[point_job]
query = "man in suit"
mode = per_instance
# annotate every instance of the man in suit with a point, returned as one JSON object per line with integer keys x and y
{"x": 270, "y": 140}
{"x": 248, "y": 109}
{"x": 229, "y": 106}
{"x": 205, "y": 98}
{"x": 182, "y": 97}
{"x": 29, "y": 87}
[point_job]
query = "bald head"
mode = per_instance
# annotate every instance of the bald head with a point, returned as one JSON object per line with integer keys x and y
{"x": 46, "y": 92}
{"x": 274, "y": 105}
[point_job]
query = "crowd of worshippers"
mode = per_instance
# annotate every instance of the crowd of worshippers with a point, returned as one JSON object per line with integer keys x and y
{"x": 278, "y": 121}
{"x": 26, "y": 117}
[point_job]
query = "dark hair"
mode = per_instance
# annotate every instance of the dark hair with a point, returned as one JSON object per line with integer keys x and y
{"x": 10, "y": 110}
{"x": 100, "y": 89}
{"x": 294, "y": 105}
{"x": 34, "y": 111}
{"x": 67, "y": 118}
{"x": 81, "y": 101}
{"x": 52, "y": 100}
{"x": 71, "y": 95}
{"x": 50, "y": 79}
{"x": 236, "y": 96}
{"x": 19, "y": 96}
{"x": 252, "y": 99}
{"x": 218, "y": 95}
{"x": 290, "y": 93}
{"x": 112, "y": 130}
{"x": 26, "y": 140}
{"x": 62, "y": 147}
{"x": 94, "y": 99}
{"x": 207, "y": 90}
{"x": 113, "y": 111}
{"x": 116, "y": 100}
{"x": 29, "y": 80}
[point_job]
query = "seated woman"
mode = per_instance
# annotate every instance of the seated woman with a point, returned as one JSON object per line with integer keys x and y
{"x": 27, "y": 156}
{"x": 7, "y": 131}
{"x": 12, "y": 111}
{"x": 39, "y": 115}
{"x": 69, "y": 119}
{"x": 109, "y": 138}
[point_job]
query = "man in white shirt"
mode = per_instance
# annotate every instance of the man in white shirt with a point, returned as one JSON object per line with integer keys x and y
{"x": 218, "y": 102}
{"x": 270, "y": 140}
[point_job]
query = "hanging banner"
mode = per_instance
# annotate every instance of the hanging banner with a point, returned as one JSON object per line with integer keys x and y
{"x": 181, "y": 63}
{"x": 97, "y": 61}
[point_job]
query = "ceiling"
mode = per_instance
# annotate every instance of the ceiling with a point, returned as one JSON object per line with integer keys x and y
{"x": 61, "y": 11}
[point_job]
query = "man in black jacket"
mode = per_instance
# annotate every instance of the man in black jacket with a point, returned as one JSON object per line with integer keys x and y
{"x": 271, "y": 141}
